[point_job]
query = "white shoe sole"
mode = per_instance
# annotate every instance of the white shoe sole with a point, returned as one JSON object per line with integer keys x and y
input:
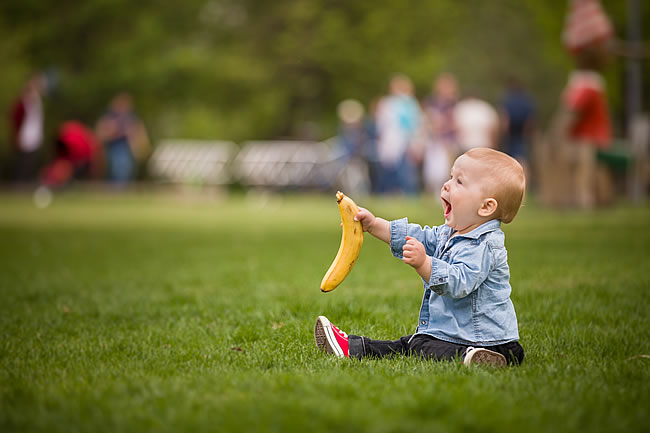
{"x": 325, "y": 339}
{"x": 485, "y": 357}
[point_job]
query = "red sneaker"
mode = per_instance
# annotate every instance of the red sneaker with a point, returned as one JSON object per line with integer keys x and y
{"x": 330, "y": 338}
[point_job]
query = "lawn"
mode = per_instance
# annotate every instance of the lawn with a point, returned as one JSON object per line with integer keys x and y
{"x": 152, "y": 312}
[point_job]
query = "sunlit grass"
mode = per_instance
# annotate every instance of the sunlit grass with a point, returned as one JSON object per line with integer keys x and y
{"x": 151, "y": 312}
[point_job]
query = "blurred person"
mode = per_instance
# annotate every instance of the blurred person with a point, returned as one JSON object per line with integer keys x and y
{"x": 352, "y": 132}
{"x": 582, "y": 124}
{"x": 518, "y": 114}
{"x": 355, "y": 140}
{"x": 477, "y": 124}
{"x": 124, "y": 139}
{"x": 441, "y": 139}
{"x": 398, "y": 119}
{"x": 466, "y": 309}
{"x": 26, "y": 120}
{"x": 75, "y": 155}
{"x": 373, "y": 137}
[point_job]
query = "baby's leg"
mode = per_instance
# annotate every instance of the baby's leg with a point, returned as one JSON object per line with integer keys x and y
{"x": 429, "y": 347}
{"x": 513, "y": 352}
{"x": 361, "y": 347}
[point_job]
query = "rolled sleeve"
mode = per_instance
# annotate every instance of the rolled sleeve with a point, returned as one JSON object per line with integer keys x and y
{"x": 439, "y": 276}
{"x": 398, "y": 230}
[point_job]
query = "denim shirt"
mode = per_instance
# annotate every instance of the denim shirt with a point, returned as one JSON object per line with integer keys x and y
{"x": 467, "y": 299}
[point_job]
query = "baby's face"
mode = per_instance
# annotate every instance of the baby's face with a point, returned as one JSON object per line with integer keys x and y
{"x": 463, "y": 194}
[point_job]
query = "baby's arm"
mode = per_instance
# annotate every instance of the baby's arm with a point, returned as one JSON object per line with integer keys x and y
{"x": 467, "y": 270}
{"x": 378, "y": 227}
{"x": 412, "y": 252}
{"x": 415, "y": 255}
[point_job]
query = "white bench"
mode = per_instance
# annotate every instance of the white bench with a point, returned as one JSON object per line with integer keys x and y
{"x": 204, "y": 162}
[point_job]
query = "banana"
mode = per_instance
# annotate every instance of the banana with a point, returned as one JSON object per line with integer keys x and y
{"x": 351, "y": 241}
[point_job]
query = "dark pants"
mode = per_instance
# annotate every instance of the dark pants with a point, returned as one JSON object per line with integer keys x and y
{"x": 427, "y": 347}
{"x": 401, "y": 177}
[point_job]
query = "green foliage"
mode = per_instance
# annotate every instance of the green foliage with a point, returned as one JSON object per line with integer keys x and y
{"x": 142, "y": 313}
{"x": 253, "y": 70}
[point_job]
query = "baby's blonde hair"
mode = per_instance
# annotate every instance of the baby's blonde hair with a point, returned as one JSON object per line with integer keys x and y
{"x": 505, "y": 181}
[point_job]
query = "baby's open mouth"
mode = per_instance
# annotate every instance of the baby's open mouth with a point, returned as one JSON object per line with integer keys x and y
{"x": 447, "y": 207}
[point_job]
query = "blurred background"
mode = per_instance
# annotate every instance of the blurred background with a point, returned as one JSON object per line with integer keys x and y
{"x": 292, "y": 94}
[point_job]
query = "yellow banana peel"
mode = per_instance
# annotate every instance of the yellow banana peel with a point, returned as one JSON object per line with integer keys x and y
{"x": 351, "y": 241}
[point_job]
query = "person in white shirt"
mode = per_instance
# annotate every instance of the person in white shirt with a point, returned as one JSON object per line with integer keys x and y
{"x": 477, "y": 124}
{"x": 26, "y": 128}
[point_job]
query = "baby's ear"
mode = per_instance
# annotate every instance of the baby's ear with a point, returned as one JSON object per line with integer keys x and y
{"x": 488, "y": 208}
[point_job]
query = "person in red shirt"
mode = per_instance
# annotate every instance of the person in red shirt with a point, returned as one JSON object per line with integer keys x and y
{"x": 76, "y": 148}
{"x": 585, "y": 96}
{"x": 588, "y": 130}
{"x": 582, "y": 125}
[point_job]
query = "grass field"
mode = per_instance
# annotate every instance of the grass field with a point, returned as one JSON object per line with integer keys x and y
{"x": 158, "y": 313}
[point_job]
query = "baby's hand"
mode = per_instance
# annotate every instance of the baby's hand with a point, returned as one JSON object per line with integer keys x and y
{"x": 366, "y": 218}
{"x": 414, "y": 252}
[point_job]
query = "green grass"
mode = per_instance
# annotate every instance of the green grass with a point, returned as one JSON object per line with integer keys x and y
{"x": 156, "y": 313}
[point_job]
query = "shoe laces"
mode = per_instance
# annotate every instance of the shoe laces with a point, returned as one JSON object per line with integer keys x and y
{"x": 341, "y": 333}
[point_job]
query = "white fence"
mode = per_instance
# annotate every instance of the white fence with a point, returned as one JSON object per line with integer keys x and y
{"x": 263, "y": 164}
{"x": 192, "y": 161}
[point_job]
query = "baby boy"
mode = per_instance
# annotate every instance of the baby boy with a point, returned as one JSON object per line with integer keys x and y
{"x": 466, "y": 309}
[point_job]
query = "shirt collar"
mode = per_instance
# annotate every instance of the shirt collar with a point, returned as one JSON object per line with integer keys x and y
{"x": 488, "y": 226}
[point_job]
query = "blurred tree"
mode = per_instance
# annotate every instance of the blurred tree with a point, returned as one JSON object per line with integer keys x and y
{"x": 249, "y": 69}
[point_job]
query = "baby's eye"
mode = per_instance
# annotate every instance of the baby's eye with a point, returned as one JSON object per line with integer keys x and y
{"x": 459, "y": 182}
